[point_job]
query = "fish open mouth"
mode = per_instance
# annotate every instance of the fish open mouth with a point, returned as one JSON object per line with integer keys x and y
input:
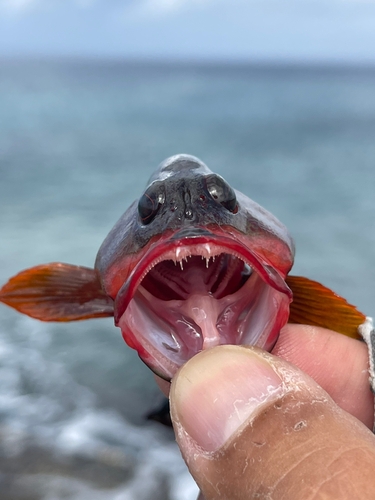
{"x": 196, "y": 290}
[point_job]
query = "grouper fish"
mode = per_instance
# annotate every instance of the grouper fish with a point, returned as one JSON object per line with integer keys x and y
{"x": 192, "y": 264}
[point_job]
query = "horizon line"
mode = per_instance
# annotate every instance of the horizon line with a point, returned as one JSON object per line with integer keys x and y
{"x": 203, "y": 62}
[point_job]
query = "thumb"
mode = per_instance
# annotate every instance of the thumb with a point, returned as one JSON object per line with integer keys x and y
{"x": 250, "y": 425}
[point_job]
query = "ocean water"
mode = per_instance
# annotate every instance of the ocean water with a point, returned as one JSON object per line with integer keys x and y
{"x": 78, "y": 141}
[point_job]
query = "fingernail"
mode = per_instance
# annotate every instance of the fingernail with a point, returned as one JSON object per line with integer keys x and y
{"x": 218, "y": 390}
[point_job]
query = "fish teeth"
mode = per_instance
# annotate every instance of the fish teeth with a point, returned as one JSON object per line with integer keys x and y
{"x": 182, "y": 253}
{"x": 181, "y": 265}
{"x": 207, "y": 249}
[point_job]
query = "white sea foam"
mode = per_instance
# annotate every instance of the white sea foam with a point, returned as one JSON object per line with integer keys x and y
{"x": 42, "y": 406}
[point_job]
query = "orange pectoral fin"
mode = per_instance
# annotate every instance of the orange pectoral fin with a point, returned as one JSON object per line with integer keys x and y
{"x": 57, "y": 292}
{"x": 314, "y": 304}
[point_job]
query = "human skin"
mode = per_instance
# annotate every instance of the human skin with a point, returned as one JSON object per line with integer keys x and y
{"x": 298, "y": 442}
{"x": 337, "y": 363}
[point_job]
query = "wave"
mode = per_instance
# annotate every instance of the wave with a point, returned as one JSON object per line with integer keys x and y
{"x": 55, "y": 442}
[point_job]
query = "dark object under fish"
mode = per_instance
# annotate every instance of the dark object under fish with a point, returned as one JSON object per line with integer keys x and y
{"x": 161, "y": 414}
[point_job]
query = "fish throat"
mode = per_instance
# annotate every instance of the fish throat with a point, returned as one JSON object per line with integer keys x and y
{"x": 215, "y": 276}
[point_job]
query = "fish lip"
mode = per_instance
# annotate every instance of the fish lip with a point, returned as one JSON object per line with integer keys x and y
{"x": 191, "y": 232}
{"x": 176, "y": 247}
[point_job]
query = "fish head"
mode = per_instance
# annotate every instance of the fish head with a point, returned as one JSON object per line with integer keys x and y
{"x": 193, "y": 264}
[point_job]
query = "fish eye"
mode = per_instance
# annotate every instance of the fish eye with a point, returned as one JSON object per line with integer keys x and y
{"x": 149, "y": 203}
{"x": 222, "y": 193}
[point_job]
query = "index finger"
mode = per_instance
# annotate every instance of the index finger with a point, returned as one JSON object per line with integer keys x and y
{"x": 337, "y": 363}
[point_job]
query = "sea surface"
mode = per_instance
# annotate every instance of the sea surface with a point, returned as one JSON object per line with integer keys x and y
{"x": 78, "y": 141}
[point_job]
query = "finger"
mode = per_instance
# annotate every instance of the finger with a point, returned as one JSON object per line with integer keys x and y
{"x": 337, "y": 363}
{"x": 250, "y": 425}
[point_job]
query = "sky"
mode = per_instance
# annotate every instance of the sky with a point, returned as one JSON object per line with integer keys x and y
{"x": 275, "y": 30}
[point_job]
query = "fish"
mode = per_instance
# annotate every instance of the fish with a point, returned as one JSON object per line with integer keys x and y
{"x": 191, "y": 264}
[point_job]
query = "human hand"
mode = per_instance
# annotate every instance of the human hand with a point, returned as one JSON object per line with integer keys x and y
{"x": 249, "y": 423}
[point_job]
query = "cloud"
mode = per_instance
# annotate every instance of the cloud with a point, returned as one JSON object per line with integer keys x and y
{"x": 18, "y": 5}
{"x": 163, "y": 8}
{"x": 137, "y": 10}
{"x": 155, "y": 6}
{"x": 25, "y": 6}
{"x": 172, "y": 5}
{"x": 240, "y": 29}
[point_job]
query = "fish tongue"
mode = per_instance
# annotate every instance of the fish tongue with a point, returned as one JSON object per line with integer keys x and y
{"x": 204, "y": 310}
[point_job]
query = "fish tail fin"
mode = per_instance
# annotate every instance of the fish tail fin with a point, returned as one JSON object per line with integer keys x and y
{"x": 315, "y": 304}
{"x": 57, "y": 292}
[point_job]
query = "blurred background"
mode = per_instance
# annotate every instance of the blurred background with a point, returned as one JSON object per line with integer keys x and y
{"x": 277, "y": 97}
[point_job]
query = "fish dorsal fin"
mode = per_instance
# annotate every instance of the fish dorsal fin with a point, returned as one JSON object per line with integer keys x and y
{"x": 57, "y": 292}
{"x": 315, "y": 304}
